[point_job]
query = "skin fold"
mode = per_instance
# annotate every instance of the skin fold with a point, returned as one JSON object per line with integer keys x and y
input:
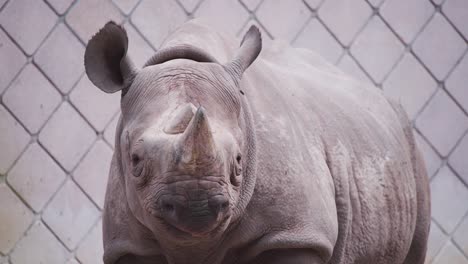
{"x": 237, "y": 154}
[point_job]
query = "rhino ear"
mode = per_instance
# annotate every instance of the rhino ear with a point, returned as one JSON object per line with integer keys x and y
{"x": 106, "y": 62}
{"x": 250, "y": 47}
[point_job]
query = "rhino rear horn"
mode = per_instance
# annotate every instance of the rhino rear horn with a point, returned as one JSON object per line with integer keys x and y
{"x": 180, "y": 120}
{"x": 197, "y": 144}
{"x": 250, "y": 47}
{"x": 106, "y": 62}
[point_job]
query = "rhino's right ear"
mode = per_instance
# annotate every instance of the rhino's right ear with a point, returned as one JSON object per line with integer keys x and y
{"x": 106, "y": 62}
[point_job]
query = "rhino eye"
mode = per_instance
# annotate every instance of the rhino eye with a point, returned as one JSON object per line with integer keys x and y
{"x": 137, "y": 165}
{"x": 135, "y": 159}
{"x": 238, "y": 158}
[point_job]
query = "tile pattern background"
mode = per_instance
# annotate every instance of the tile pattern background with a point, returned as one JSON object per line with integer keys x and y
{"x": 57, "y": 129}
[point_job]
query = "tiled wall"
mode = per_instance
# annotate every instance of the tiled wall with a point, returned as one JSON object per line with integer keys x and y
{"x": 56, "y": 129}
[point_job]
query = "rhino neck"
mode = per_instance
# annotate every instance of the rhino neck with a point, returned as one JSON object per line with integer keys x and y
{"x": 250, "y": 166}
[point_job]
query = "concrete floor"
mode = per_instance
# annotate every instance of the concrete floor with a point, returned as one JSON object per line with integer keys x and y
{"x": 56, "y": 129}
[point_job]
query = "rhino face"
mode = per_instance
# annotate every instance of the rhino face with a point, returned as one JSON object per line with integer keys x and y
{"x": 182, "y": 143}
{"x": 182, "y": 149}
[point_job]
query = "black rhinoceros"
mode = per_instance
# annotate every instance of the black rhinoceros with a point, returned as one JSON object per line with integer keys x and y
{"x": 288, "y": 161}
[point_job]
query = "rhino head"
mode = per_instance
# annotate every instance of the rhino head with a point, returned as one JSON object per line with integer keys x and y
{"x": 181, "y": 142}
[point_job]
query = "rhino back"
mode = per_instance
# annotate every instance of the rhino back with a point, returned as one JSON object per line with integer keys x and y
{"x": 334, "y": 164}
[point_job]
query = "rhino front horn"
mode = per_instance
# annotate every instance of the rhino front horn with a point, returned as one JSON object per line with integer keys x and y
{"x": 196, "y": 144}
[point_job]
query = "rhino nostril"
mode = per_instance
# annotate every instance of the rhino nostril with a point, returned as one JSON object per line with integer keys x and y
{"x": 225, "y": 205}
{"x": 168, "y": 207}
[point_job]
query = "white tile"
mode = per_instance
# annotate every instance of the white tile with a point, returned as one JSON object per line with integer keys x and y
{"x": 98, "y": 13}
{"x": 39, "y": 246}
{"x": 449, "y": 197}
{"x": 72, "y": 261}
{"x": 375, "y": 3}
{"x": 92, "y": 173}
{"x": 450, "y": 254}
{"x": 407, "y": 17}
{"x": 28, "y": 22}
{"x": 348, "y": 65}
{"x": 436, "y": 240}
{"x": 16, "y": 59}
{"x": 138, "y": 49}
{"x": 410, "y": 84}
{"x": 315, "y": 37}
{"x": 13, "y": 140}
{"x": 97, "y": 106}
{"x": 31, "y": 98}
{"x": 91, "y": 250}
{"x": 15, "y": 217}
{"x": 109, "y": 133}
{"x": 457, "y": 83}
{"x": 459, "y": 159}
{"x": 442, "y": 122}
{"x": 438, "y": 2}
{"x": 70, "y": 215}
{"x": 461, "y": 235}
{"x": 125, "y": 5}
{"x": 439, "y": 46}
{"x": 345, "y": 17}
{"x": 156, "y": 20}
{"x": 314, "y": 4}
{"x": 61, "y": 58}
{"x": 283, "y": 19}
{"x": 190, "y": 5}
{"x": 36, "y": 177}
{"x": 457, "y": 12}
{"x": 377, "y": 49}
{"x": 60, "y": 5}
{"x": 67, "y": 136}
{"x": 230, "y": 22}
{"x": 431, "y": 158}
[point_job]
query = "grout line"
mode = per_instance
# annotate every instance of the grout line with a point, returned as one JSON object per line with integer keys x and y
{"x": 408, "y": 46}
{"x": 449, "y": 236}
{"x": 197, "y": 6}
{"x": 130, "y": 21}
{"x": 445, "y": 16}
{"x": 449, "y": 74}
{"x": 450, "y": 153}
{"x": 3, "y": 6}
{"x": 446, "y": 239}
{"x": 347, "y": 48}
{"x": 302, "y": 28}
{"x": 425, "y": 105}
{"x": 52, "y": 29}
{"x": 416, "y": 131}
{"x": 253, "y": 17}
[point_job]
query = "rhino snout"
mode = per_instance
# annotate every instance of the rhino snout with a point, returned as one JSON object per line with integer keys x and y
{"x": 196, "y": 217}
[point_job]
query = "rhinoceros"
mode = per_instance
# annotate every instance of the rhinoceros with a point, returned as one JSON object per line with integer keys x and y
{"x": 227, "y": 155}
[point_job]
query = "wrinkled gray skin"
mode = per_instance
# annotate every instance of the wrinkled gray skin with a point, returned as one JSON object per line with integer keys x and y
{"x": 288, "y": 161}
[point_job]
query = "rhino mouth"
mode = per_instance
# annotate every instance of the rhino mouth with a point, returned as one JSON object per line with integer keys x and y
{"x": 184, "y": 231}
{"x": 202, "y": 217}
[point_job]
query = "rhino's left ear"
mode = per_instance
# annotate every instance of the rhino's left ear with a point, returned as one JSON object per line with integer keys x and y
{"x": 106, "y": 62}
{"x": 250, "y": 47}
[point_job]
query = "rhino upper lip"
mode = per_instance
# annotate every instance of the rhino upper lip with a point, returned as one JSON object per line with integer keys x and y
{"x": 212, "y": 178}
